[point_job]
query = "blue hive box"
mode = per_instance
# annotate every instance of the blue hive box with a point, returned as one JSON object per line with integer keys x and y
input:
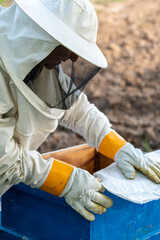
{"x": 33, "y": 214}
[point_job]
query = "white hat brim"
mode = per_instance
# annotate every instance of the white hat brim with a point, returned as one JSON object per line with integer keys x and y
{"x": 54, "y": 26}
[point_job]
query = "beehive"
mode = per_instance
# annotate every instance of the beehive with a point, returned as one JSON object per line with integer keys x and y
{"x": 33, "y": 214}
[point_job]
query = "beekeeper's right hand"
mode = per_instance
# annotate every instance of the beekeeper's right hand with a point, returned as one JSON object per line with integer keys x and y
{"x": 85, "y": 195}
{"x": 81, "y": 190}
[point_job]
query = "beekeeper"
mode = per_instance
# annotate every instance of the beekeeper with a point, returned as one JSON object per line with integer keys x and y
{"x": 37, "y": 94}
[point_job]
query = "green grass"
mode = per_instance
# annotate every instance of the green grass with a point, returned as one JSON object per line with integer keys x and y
{"x": 146, "y": 145}
{"x": 6, "y": 3}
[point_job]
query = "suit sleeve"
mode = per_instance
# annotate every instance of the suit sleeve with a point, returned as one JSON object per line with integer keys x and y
{"x": 85, "y": 119}
{"x": 18, "y": 164}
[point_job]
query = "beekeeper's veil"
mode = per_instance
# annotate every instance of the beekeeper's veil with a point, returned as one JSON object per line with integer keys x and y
{"x": 32, "y": 29}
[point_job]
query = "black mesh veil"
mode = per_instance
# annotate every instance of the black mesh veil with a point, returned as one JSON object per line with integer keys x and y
{"x": 67, "y": 87}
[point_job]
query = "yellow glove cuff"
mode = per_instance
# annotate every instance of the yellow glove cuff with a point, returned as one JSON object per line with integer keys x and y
{"x": 110, "y": 144}
{"x": 58, "y": 177}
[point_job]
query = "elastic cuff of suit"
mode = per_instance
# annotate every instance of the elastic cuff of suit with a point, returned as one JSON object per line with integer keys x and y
{"x": 110, "y": 144}
{"x": 58, "y": 177}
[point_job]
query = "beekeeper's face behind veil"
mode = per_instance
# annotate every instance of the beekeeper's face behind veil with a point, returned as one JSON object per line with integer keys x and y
{"x": 58, "y": 55}
{"x": 42, "y": 34}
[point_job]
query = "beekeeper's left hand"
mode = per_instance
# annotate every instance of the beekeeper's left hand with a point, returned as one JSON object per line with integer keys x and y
{"x": 129, "y": 158}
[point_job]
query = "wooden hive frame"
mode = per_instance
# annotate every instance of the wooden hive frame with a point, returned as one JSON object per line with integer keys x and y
{"x": 82, "y": 156}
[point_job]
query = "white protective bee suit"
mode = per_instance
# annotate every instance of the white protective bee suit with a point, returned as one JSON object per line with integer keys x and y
{"x": 26, "y": 120}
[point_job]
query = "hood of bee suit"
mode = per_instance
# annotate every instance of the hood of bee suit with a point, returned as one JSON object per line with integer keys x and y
{"x": 25, "y": 42}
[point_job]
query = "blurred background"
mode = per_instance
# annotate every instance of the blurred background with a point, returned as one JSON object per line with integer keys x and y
{"x": 128, "y": 91}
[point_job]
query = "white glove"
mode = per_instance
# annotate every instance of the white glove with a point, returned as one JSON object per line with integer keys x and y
{"x": 128, "y": 158}
{"x": 85, "y": 195}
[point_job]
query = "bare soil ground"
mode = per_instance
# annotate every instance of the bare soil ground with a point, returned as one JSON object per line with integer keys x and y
{"x": 128, "y": 91}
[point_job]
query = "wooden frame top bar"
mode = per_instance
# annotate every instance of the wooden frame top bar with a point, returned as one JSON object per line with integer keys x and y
{"x": 82, "y": 156}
